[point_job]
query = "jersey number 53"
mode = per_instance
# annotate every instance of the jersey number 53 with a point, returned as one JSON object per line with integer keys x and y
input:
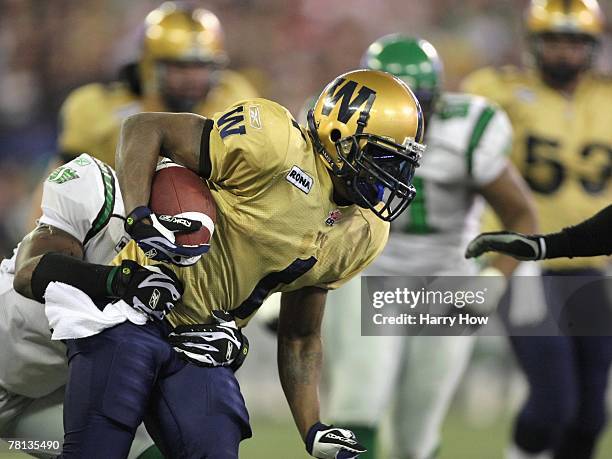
{"x": 545, "y": 173}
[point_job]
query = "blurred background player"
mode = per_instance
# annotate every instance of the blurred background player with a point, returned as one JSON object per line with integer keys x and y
{"x": 561, "y": 116}
{"x": 468, "y": 140}
{"x": 181, "y": 68}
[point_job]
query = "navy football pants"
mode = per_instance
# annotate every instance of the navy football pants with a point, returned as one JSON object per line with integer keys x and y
{"x": 567, "y": 375}
{"x": 128, "y": 374}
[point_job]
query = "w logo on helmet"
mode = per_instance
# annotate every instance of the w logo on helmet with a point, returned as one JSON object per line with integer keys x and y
{"x": 348, "y": 107}
{"x": 374, "y": 151}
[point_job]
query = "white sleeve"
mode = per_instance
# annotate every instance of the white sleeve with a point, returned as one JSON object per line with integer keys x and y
{"x": 72, "y": 198}
{"x": 490, "y": 154}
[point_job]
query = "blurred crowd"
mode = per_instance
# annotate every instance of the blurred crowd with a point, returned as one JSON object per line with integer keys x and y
{"x": 286, "y": 49}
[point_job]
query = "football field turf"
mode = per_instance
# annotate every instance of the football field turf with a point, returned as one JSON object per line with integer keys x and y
{"x": 278, "y": 439}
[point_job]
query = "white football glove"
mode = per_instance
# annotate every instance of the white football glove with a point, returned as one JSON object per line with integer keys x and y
{"x": 329, "y": 442}
{"x": 519, "y": 246}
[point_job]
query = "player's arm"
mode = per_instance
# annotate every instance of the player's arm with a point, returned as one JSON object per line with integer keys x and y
{"x": 511, "y": 201}
{"x": 590, "y": 238}
{"x": 42, "y": 240}
{"x": 49, "y": 254}
{"x": 497, "y": 180}
{"x": 182, "y": 137}
{"x": 144, "y": 136}
{"x": 300, "y": 353}
{"x": 300, "y": 356}
{"x": 54, "y": 251}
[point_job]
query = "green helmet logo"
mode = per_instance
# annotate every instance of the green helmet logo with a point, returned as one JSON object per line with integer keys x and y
{"x": 413, "y": 60}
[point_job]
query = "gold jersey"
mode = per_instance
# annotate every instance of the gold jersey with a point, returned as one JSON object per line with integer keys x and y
{"x": 91, "y": 116}
{"x": 562, "y": 145}
{"x": 278, "y": 228}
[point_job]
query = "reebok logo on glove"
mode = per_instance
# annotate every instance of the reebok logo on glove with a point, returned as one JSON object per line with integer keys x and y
{"x": 178, "y": 220}
{"x": 220, "y": 344}
{"x": 154, "y": 299}
{"x": 153, "y": 290}
{"x": 157, "y": 238}
{"x": 329, "y": 442}
{"x": 333, "y": 436}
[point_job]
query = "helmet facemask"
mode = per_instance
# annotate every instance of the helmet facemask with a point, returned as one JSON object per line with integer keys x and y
{"x": 377, "y": 172}
{"x": 559, "y": 72}
{"x": 182, "y": 49}
{"x": 184, "y": 84}
{"x": 564, "y": 36}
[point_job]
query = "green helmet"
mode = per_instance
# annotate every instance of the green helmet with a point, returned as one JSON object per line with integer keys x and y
{"x": 413, "y": 60}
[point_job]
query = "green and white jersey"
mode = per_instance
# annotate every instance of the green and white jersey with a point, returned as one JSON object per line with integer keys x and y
{"x": 468, "y": 140}
{"x": 80, "y": 198}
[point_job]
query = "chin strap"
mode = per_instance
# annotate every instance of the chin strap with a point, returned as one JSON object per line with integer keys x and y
{"x": 316, "y": 141}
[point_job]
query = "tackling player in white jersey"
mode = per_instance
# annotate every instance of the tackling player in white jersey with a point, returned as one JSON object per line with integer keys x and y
{"x": 81, "y": 203}
{"x": 467, "y": 141}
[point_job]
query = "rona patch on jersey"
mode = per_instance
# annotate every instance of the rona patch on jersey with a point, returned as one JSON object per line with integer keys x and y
{"x": 63, "y": 174}
{"x": 300, "y": 179}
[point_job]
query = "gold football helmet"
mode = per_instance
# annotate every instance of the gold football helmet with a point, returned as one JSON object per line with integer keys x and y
{"x": 367, "y": 127}
{"x": 565, "y": 16}
{"x": 176, "y": 33}
{"x": 574, "y": 25}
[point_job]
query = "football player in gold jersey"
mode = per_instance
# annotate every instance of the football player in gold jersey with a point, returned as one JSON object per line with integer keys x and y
{"x": 563, "y": 147}
{"x": 181, "y": 69}
{"x": 300, "y": 211}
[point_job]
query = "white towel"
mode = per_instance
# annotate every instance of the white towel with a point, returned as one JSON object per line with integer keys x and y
{"x": 72, "y": 314}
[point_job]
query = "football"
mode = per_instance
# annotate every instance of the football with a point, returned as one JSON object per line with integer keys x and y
{"x": 179, "y": 191}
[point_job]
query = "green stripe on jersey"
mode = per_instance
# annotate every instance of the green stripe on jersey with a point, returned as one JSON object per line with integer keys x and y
{"x": 418, "y": 210}
{"x": 479, "y": 129}
{"x": 106, "y": 210}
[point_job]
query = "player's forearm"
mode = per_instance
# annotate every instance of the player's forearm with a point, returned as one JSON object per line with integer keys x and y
{"x": 590, "y": 238}
{"x": 137, "y": 152}
{"x": 144, "y": 137}
{"x": 42, "y": 240}
{"x": 299, "y": 366}
{"x": 511, "y": 201}
{"x": 22, "y": 282}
